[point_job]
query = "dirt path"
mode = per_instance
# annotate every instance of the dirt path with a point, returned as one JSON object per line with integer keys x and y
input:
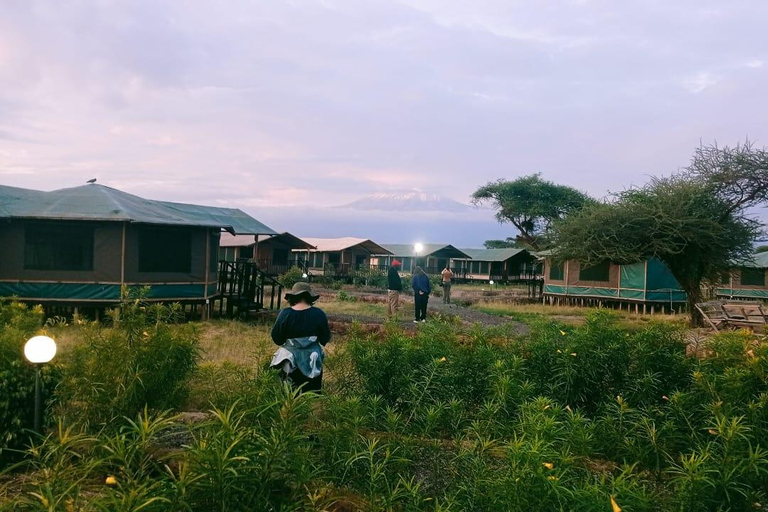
{"x": 467, "y": 316}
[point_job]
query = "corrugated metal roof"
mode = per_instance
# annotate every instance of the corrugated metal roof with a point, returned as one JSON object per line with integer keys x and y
{"x": 341, "y": 244}
{"x": 407, "y": 250}
{"x": 759, "y": 260}
{"x": 100, "y": 203}
{"x": 492, "y": 254}
{"x": 229, "y": 240}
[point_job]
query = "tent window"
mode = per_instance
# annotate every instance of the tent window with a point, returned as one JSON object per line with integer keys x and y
{"x": 58, "y": 247}
{"x": 165, "y": 250}
{"x": 556, "y": 272}
{"x": 483, "y": 267}
{"x": 725, "y": 279}
{"x": 753, "y": 276}
{"x": 599, "y": 272}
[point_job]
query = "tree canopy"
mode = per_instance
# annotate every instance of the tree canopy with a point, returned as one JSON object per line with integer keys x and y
{"x": 531, "y": 205}
{"x": 697, "y": 222}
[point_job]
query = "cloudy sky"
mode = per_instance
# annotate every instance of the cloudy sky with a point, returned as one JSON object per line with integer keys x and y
{"x": 265, "y": 105}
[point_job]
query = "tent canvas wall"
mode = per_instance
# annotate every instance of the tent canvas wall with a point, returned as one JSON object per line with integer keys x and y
{"x": 747, "y": 281}
{"x": 646, "y": 282}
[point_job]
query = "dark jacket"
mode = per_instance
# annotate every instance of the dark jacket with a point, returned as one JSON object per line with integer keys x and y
{"x": 421, "y": 284}
{"x": 298, "y": 324}
{"x": 393, "y": 280}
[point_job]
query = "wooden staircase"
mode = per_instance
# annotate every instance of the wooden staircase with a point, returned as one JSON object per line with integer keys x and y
{"x": 245, "y": 288}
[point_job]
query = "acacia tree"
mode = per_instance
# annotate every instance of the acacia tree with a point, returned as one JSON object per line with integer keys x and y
{"x": 531, "y": 205}
{"x": 697, "y": 222}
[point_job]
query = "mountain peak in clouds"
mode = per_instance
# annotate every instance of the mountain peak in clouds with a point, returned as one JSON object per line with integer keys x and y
{"x": 407, "y": 200}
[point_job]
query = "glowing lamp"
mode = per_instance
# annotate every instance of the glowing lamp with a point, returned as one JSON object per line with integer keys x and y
{"x": 418, "y": 248}
{"x": 304, "y": 275}
{"x": 40, "y": 349}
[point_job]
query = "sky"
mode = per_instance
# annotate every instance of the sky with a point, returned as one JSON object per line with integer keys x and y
{"x": 288, "y": 109}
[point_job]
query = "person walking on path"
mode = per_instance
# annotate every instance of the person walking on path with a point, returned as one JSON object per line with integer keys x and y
{"x": 301, "y": 331}
{"x": 446, "y": 275}
{"x": 394, "y": 287}
{"x": 421, "y": 291}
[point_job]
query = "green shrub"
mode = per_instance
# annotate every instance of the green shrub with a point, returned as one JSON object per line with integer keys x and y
{"x": 369, "y": 277}
{"x": 343, "y": 296}
{"x": 116, "y": 372}
{"x": 291, "y": 276}
{"x": 17, "y": 376}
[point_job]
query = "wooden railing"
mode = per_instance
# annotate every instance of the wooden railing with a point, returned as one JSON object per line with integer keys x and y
{"x": 245, "y": 287}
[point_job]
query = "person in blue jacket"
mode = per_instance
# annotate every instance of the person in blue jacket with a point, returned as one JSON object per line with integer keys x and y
{"x": 421, "y": 291}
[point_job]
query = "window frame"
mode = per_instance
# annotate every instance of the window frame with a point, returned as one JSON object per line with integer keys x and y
{"x": 596, "y": 278}
{"x": 55, "y": 235}
{"x": 164, "y": 239}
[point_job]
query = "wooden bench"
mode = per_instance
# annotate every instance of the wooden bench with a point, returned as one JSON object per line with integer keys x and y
{"x": 722, "y": 315}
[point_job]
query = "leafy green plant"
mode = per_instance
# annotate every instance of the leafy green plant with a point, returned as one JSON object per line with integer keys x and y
{"x": 18, "y": 323}
{"x": 141, "y": 361}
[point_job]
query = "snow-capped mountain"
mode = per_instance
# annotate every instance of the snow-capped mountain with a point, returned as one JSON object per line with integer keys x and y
{"x": 409, "y": 201}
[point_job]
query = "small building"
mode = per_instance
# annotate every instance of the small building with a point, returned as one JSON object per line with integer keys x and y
{"x": 432, "y": 258}
{"x": 79, "y": 246}
{"x": 271, "y": 253}
{"x": 746, "y": 281}
{"x": 644, "y": 283}
{"x": 499, "y": 265}
{"x": 338, "y": 256}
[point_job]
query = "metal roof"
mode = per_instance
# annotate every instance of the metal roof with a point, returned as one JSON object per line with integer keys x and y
{"x": 342, "y": 244}
{"x": 100, "y": 203}
{"x": 492, "y": 254}
{"x": 229, "y": 240}
{"x": 407, "y": 250}
{"x": 759, "y": 260}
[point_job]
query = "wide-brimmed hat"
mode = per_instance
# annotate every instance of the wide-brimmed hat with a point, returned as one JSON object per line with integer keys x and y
{"x": 396, "y": 263}
{"x": 299, "y": 289}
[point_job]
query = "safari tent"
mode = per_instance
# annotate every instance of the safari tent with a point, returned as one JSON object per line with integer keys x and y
{"x": 338, "y": 256}
{"x": 644, "y": 283}
{"x": 433, "y": 258}
{"x": 746, "y": 281}
{"x": 78, "y": 246}
{"x": 500, "y": 265}
{"x": 271, "y": 253}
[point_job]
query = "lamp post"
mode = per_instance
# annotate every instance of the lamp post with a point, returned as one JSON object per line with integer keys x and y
{"x": 38, "y": 351}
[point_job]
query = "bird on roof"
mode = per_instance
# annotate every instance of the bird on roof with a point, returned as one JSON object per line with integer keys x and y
{"x": 92, "y": 180}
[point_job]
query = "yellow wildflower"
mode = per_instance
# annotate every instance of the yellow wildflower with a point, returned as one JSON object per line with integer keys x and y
{"x": 562, "y": 332}
{"x": 111, "y": 480}
{"x": 548, "y": 465}
{"x": 552, "y": 478}
{"x": 443, "y": 359}
{"x": 573, "y": 354}
{"x": 713, "y": 432}
{"x": 615, "y": 506}
{"x": 664, "y": 397}
{"x": 559, "y": 351}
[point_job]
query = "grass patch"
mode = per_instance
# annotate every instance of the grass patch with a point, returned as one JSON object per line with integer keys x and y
{"x": 571, "y": 315}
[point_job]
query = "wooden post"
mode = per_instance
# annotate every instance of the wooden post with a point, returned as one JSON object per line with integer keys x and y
{"x": 207, "y": 271}
{"x": 122, "y": 259}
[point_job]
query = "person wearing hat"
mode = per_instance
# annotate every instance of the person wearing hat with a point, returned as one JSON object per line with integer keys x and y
{"x": 394, "y": 287}
{"x": 301, "y": 331}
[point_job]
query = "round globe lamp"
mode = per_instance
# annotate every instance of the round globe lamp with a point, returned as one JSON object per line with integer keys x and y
{"x": 38, "y": 351}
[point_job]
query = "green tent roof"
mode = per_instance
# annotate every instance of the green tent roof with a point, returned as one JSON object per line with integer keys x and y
{"x": 492, "y": 254}
{"x": 759, "y": 260}
{"x": 100, "y": 203}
